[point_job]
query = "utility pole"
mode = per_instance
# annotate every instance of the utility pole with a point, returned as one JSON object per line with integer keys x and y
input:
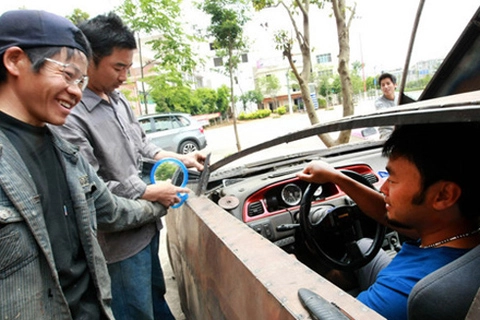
{"x": 141, "y": 72}
{"x": 289, "y": 95}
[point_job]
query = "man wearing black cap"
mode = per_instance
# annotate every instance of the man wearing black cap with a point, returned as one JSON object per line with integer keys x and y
{"x": 52, "y": 201}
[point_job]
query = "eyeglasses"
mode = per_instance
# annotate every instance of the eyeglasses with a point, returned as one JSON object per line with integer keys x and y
{"x": 71, "y": 74}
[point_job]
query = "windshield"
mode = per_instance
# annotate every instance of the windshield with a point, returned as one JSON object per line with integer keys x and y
{"x": 426, "y": 57}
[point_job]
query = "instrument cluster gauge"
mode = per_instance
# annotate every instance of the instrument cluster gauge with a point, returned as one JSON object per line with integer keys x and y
{"x": 318, "y": 192}
{"x": 291, "y": 194}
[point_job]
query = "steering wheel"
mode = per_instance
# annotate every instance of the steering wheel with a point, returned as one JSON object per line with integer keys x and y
{"x": 333, "y": 232}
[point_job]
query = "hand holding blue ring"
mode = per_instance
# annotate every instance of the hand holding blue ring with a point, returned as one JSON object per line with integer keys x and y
{"x": 183, "y": 196}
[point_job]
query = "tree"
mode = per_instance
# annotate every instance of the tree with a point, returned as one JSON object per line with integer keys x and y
{"x": 343, "y": 31}
{"x": 285, "y": 43}
{"x": 78, "y": 16}
{"x": 227, "y": 18}
{"x": 208, "y": 100}
{"x": 173, "y": 54}
{"x": 169, "y": 92}
{"x": 254, "y": 96}
{"x": 270, "y": 84}
{"x": 222, "y": 99}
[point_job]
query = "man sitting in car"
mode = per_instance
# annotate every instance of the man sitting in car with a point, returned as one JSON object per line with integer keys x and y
{"x": 430, "y": 196}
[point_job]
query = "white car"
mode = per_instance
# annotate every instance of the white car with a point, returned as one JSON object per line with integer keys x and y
{"x": 177, "y": 132}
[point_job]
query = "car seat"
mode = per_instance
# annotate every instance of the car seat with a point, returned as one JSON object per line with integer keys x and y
{"x": 449, "y": 292}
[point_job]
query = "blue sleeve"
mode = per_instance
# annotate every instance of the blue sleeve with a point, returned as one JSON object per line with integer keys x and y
{"x": 390, "y": 303}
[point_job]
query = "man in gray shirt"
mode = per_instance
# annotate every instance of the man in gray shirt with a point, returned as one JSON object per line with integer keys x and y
{"x": 388, "y": 84}
{"x": 110, "y": 137}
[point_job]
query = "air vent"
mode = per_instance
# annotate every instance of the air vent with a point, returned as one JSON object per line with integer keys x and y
{"x": 229, "y": 182}
{"x": 372, "y": 178}
{"x": 255, "y": 208}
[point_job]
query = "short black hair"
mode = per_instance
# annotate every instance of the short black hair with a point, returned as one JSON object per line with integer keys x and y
{"x": 442, "y": 151}
{"x": 385, "y": 76}
{"x": 106, "y": 32}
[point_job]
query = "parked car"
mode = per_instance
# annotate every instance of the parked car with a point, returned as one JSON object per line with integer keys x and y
{"x": 177, "y": 132}
{"x": 370, "y": 133}
{"x": 239, "y": 250}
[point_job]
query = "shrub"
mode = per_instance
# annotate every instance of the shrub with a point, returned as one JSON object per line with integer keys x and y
{"x": 322, "y": 102}
{"x": 259, "y": 114}
{"x": 281, "y": 110}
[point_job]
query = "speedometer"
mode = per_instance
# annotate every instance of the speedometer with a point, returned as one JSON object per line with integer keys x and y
{"x": 291, "y": 194}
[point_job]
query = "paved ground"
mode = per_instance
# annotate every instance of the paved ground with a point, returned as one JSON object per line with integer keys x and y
{"x": 172, "y": 291}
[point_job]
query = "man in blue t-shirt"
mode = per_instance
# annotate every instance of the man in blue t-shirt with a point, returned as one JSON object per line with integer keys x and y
{"x": 429, "y": 196}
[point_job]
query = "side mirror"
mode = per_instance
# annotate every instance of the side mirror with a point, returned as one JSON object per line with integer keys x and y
{"x": 173, "y": 170}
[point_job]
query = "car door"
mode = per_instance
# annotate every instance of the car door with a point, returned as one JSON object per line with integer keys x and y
{"x": 147, "y": 125}
{"x": 166, "y": 132}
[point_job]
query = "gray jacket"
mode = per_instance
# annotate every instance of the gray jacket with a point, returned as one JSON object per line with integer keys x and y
{"x": 29, "y": 283}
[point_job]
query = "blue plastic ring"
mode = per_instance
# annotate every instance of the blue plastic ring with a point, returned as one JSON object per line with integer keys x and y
{"x": 183, "y": 197}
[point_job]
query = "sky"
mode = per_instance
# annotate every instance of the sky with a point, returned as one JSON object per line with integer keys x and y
{"x": 379, "y": 36}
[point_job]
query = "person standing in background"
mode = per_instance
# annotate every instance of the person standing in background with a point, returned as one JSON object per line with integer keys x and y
{"x": 105, "y": 128}
{"x": 388, "y": 84}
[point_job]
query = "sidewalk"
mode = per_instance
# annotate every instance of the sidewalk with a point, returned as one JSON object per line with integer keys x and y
{"x": 172, "y": 290}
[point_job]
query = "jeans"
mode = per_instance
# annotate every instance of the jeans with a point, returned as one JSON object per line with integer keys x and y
{"x": 138, "y": 286}
{"x": 367, "y": 275}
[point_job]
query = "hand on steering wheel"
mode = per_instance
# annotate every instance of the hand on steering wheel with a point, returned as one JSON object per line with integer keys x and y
{"x": 345, "y": 225}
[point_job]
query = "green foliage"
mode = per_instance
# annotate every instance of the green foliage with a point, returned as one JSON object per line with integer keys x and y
{"x": 281, "y": 110}
{"x": 262, "y": 4}
{"x": 223, "y": 94}
{"x": 356, "y": 68}
{"x": 208, "y": 100}
{"x": 370, "y": 83}
{"x": 327, "y": 84}
{"x": 283, "y": 42}
{"x": 169, "y": 92}
{"x": 161, "y": 18}
{"x": 336, "y": 85}
{"x": 269, "y": 85}
{"x": 174, "y": 58}
{"x": 165, "y": 171}
{"x": 127, "y": 93}
{"x": 255, "y": 96}
{"x": 322, "y": 102}
{"x": 259, "y": 114}
{"x": 227, "y": 20}
{"x": 357, "y": 83}
{"x": 419, "y": 84}
{"x": 78, "y": 16}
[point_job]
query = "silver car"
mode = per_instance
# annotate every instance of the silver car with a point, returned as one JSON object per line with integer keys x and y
{"x": 177, "y": 132}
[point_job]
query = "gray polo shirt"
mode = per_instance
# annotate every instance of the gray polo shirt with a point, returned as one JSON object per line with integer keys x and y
{"x": 111, "y": 139}
{"x": 383, "y": 102}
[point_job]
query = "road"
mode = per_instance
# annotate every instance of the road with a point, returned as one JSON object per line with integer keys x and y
{"x": 221, "y": 140}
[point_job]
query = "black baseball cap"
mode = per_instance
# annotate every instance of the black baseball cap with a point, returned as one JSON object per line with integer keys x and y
{"x": 36, "y": 28}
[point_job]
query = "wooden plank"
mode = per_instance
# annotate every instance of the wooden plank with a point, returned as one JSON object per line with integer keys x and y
{"x": 225, "y": 270}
